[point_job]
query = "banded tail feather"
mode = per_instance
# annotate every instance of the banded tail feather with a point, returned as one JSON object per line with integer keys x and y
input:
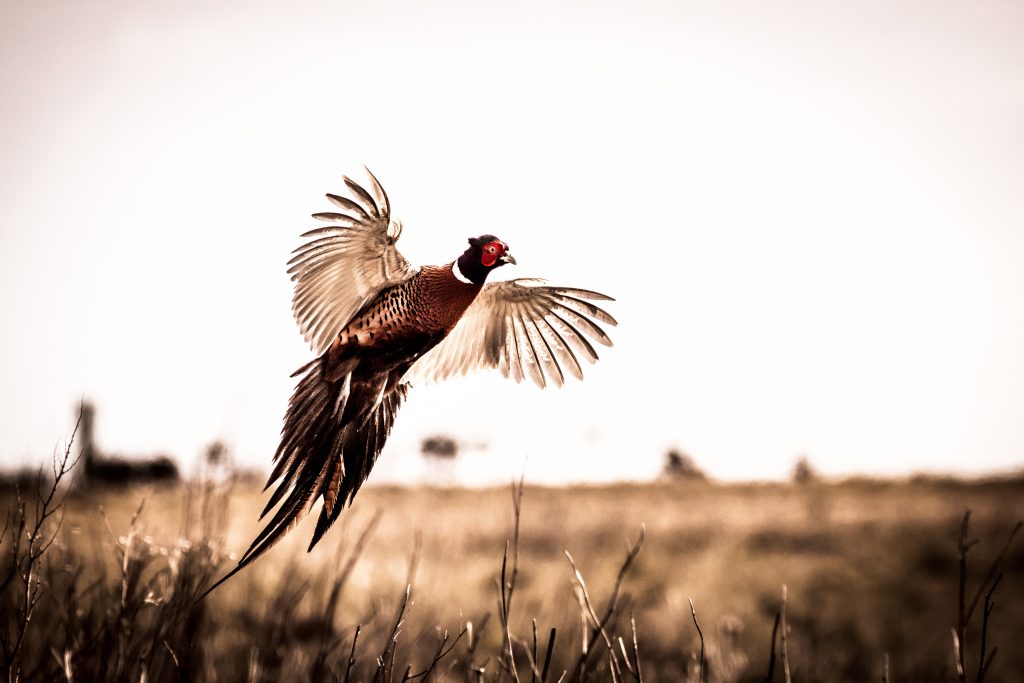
{"x": 329, "y": 444}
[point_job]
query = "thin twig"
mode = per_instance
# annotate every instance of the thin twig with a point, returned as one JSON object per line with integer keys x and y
{"x": 636, "y": 651}
{"x": 327, "y": 640}
{"x": 989, "y": 606}
{"x": 785, "y": 629}
{"x": 386, "y": 659}
{"x": 957, "y": 656}
{"x": 586, "y": 606}
{"x": 960, "y": 633}
{"x": 547, "y": 656}
{"x": 693, "y": 613}
{"x": 473, "y": 635}
{"x": 440, "y": 653}
{"x": 993, "y": 570}
{"x": 532, "y": 652}
{"x": 508, "y": 581}
{"x": 32, "y": 536}
{"x": 771, "y": 657}
{"x": 352, "y": 655}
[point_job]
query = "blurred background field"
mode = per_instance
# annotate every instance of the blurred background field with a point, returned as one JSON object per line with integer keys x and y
{"x": 810, "y": 216}
{"x": 870, "y": 567}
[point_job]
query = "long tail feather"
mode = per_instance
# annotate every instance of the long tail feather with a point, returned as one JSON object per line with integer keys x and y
{"x": 326, "y": 451}
{"x": 360, "y": 454}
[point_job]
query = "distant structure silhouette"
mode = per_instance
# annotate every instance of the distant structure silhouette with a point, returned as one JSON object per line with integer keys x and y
{"x": 24, "y": 480}
{"x": 439, "y": 447}
{"x": 803, "y": 472}
{"x": 439, "y": 453}
{"x": 100, "y": 469}
{"x": 681, "y": 467}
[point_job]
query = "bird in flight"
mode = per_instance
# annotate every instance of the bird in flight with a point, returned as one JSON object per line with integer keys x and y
{"x": 377, "y": 324}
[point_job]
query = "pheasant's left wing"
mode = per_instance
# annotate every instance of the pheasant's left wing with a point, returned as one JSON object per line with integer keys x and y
{"x": 346, "y": 264}
{"x": 523, "y": 328}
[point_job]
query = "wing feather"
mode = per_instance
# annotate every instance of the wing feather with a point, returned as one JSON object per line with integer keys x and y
{"x": 329, "y": 216}
{"x": 579, "y": 321}
{"x": 587, "y": 308}
{"x": 370, "y": 203}
{"x": 346, "y": 203}
{"x": 562, "y": 350}
{"x": 344, "y": 266}
{"x": 524, "y": 329}
{"x": 513, "y": 355}
{"x": 528, "y": 352}
{"x": 550, "y": 361}
{"x": 378, "y": 189}
{"x": 577, "y": 340}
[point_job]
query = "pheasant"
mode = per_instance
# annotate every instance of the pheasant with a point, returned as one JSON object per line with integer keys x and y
{"x": 377, "y": 324}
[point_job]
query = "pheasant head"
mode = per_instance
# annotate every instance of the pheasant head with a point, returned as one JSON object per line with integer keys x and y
{"x": 485, "y": 253}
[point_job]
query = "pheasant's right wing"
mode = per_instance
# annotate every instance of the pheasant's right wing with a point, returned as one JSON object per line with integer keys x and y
{"x": 346, "y": 264}
{"x": 523, "y": 328}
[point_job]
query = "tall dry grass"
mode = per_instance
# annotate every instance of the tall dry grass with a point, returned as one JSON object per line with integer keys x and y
{"x": 852, "y": 581}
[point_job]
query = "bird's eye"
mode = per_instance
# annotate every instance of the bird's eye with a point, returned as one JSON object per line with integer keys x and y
{"x": 491, "y": 250}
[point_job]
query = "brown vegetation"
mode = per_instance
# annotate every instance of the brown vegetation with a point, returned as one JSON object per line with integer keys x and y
{"x": 680, "y": 581}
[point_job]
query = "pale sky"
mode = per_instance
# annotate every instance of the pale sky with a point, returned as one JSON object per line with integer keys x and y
{"x": 811, "y": 214}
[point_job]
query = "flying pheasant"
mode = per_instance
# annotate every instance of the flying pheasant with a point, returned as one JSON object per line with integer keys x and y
{"x": 376, "y": 323}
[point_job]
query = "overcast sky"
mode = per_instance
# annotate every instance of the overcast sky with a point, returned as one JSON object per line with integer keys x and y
{"x": 811, "y": 214}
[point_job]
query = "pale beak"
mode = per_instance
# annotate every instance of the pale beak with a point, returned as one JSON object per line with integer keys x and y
{"x": 508, "y": 258}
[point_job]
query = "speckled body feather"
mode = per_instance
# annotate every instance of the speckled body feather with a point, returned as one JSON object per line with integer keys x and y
{"x": 406, "y": 320}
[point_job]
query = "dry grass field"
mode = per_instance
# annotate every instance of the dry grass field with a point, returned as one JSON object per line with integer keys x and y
{"x": 871, "y": 570}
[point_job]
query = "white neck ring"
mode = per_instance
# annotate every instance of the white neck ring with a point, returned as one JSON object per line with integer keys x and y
{"x": 458, "y": 274}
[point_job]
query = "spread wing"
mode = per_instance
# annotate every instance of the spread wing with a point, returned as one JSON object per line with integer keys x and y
{"x": 345, "y": 265}
{"x": 524, "y": 329}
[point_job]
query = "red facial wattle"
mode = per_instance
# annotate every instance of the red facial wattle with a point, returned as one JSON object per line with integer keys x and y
{"x": 492, "y": 251}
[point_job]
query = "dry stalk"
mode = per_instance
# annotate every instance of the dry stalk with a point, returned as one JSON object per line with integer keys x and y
{"x": 33, "y": 531}
{"x": 785, "y": 639}
{"x": 960, "y": 632}
{"x": 589, "y": 614}
{"x": 352, "y": 655}
{"x": 547, "y": 657}
{"x": 632, "y": 662}
{"x": 507, "y": 587}
{"x": 993, "y": 570}
{"x": 965, "y": 611}
{"x": 442, "y": 651}
{"x": 473, "y": 635}
{"x": 386, "y": 659}
{"x": 693, "y": 613}
{"x": 328, "y": 641}
{"x": 985, "y": 660}
{"x": 770, "y": 677}
{"x": 530, "y": 649}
